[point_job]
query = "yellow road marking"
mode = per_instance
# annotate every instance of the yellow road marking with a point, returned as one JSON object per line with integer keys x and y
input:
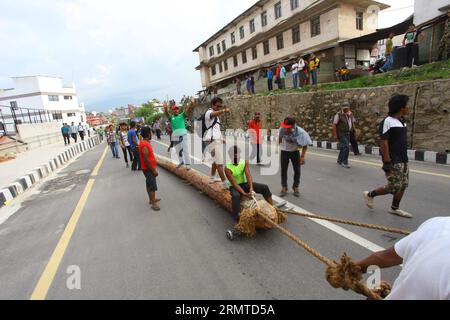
{"x": 375, "y": 164}
{"x": 46, "y": 279}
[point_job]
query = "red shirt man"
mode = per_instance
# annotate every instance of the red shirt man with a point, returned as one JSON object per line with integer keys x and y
{"x": 254, "y": 129}
{"x": 148, "y": 165}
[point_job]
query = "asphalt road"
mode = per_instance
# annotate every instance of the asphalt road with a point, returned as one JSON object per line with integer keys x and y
{"x": 124, "y": 250}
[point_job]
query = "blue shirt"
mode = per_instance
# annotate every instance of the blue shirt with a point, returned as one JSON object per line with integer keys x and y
{"x": 65, "y": 130}
{"x": 131, "y": 134}
{"x": 270, "y": 75}
{"x": 297, "y": 138}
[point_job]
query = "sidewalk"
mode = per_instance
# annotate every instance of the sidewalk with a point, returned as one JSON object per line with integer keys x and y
{"x": 21, "y": 173}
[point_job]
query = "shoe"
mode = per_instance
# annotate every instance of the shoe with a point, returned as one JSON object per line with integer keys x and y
{"x": 297, "y": 193}
{"x": 180, "y": 165}
{"x": 368, "y": 200}
{"x": 283, "y": 193}
{"x": 400, "y": 213}
{"x": 339, "y": 163}
{"x": 188, "y": 167}
{"x": 345, "y": 166}
{"x": 232, "y": 234}
{"x": 156, "y": 208}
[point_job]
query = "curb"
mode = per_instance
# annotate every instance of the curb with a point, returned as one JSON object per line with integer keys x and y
{"x": 27, "y": 181}
{"x": 417, "y": 155}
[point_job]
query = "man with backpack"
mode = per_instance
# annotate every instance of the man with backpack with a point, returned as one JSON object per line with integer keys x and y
{"x": 212, "y": 137}
{"x": 342, "y": 126}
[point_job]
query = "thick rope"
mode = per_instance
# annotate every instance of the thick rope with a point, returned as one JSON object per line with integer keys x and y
{"x": 349, "y": 222}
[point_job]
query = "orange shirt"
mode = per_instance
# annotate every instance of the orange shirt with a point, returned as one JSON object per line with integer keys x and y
{"x": 151, "y": 156}
{"x": 255, "y": 131}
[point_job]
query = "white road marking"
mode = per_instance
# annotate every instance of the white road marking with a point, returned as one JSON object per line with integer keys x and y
{"x": 329, "y": 225}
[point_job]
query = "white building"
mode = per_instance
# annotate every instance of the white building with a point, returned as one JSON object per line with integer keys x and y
{"x": 425, "y": 10}
{"x": 45, "y": 93}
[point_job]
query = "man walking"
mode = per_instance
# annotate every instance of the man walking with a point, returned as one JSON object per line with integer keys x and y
{"x": 292, "y": 138}
{"x": 65, "y": 129}
{"x": 254, "y": 129}
{"x": 213, "y": 140}
{"x": 180, "y": 137}
{"x": 270, "y": 79}
{"x": 134, "y": 144}
{"x": 157, "y": 127}
{"x": 124, "y": 144}
{"x": 73, "y": 132}
{"x": 389, "y": 54}
{"x": 111, "y": 139}
{"x": 342, "y": 125}
{"x": 411, "y": 41}
{"x": 81, "y": 131}
{"x": 394, "y": 149}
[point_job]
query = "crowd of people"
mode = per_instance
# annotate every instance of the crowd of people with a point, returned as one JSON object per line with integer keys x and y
{"x": 74, "y": 131}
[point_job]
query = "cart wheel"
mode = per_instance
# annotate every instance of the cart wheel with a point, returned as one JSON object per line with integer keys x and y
{"x": 230, "y": 235}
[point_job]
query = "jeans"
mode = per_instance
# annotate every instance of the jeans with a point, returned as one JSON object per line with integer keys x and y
{"x": 136, "y": 164}
{"x": 314, "y": 76}
{"x": 66, "y": 138}
{"x": 301, "y": 78}
{"x": 256, "y": 152}
{"x": 294, "y": 157}
{"x": 114, "y": 149}
{"x": 410, "y": 55}
{"x": 344, "y": 148}
{"x": 124, "y": 150}
{"x": 295, "y": 80}
{"x": 182, "y": 149}
{"x": 389, "y": 62}
{"x": 270, "y": 84}
{"x": 283, "y": 83}
{"x": 74, "y": 137}
{"x": 236, "y": 196}
{"x": 158, "y": 134}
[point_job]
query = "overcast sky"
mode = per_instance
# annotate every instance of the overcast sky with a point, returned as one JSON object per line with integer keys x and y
{"x": 119, "y": 52}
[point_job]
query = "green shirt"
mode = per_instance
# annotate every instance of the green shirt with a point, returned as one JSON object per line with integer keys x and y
{"x": 178, "y": 124}
{"x": 238, "y": 172}
{"x": 389, "y": 46}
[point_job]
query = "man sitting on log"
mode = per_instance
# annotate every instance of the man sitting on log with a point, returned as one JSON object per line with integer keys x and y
{"x": 241, "y": 185}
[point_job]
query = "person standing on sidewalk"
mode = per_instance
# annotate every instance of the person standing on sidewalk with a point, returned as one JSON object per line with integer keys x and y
{"x": 65, "y": 129}
{"x": 254, "y": 129}
{"x": 157, "y": 128}
{"x": 278, "y": 77}
{"x": 294, "y": 70}
{"x": 292, "y": 138}
{"x": 111, "y": 139}
{"x": 73, "y": 132}
{"x": 389, "y": 54}
{"x": 134, "y": 144}
{"x": 148, "y": 162}
{"x": 394, "y": 149}
{"x": 301, "y": 71}
{"x": 283, "y": 77}
{"x": 411, "y": 42}
{"x": 270, "y": 79}
{"x": 342, "y": 125}
{"x": 180, "y": 137}
{"x": 124, "y": 144}
{"x": 314, "y": 65}
{"x": 213, "y": 140}
{"x": 81, "y": 131}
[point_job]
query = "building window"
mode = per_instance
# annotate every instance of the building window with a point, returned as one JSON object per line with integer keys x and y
{"x": 220, "y": 67}
{"x": 53, "y": 98}
{"x": 235, "y": 61}
{"x": 278, "y": 10}
{"x": 224, "y": 46}
{"x": 71, "y": 115}
{"x": 315, "y": 26}
{"x": 218, "y": 48}
{"x": 213, "y": 70}
{"x": 244, "y": 57}
{"x": 294, "y": 4}
{"x": 359, "y": 20}
{"x": 225, "y": 65}
{"x": 241, "y": 32}
{"x": 254, "y": 53}
{"x": 67, "y": 97}
{"x": 296, "y": 35}
{"x": 252, "y": 26}
{"x": 211, "y": 51}
{"x": 233, "y": 38}
{"x": 266, "y": 47}
{"x": 280, "y": 42}
{"x": 264, "y": 19}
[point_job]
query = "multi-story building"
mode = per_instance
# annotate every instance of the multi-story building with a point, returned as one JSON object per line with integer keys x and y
{"x": 273, "y": 31}
{"x": 45, "y": 93}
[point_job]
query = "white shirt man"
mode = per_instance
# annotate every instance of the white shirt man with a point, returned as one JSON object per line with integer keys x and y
{"x": 295, "y": 68}
{"x": 301, "y": 64}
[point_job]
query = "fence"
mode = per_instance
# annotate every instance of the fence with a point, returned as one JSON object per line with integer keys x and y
{"x": 10, "y": 117}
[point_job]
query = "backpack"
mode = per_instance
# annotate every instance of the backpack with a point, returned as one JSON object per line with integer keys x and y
{"x": 200, "y": 123}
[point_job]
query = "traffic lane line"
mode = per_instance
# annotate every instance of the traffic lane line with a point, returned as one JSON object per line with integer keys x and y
{"x": 329, "y": 225}
{"x": 45, "y": 281}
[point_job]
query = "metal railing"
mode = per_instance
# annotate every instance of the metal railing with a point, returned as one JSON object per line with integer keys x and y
{"x": 10, "y": 117}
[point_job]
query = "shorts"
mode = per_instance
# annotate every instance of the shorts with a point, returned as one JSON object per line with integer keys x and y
{"x": 150, "y": 181}
{"x": 215, "y": 148}
{"x": 398, "y": 177}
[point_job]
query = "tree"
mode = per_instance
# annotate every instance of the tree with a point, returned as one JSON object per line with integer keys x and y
{"x": 149, "y": 112}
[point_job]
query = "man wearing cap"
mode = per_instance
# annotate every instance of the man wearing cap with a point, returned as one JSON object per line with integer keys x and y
{"x": 291, "y": 139}
{"x": 342, "y": 125}
{"x": 179, "y": 133}
{"x": 254, "y": 129}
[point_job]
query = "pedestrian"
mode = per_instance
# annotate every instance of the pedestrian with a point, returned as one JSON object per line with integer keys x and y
{"x": 389, "y": 54}
{"x": 423, "y": 255}
{"x": 248, "y": 84}
{"x": 148, "y": 162}
{"x": 241, "y": 184}
{"x": 213, "y": 139}
{"x": 81, "y": 131}
{"x": 133, "y": 140}
{"x": 157, "y": 127}
{"x": 306, "y": 72}
{"x": 354, "y": 134}
{"x": 124, "y": 144}
{"x": 180, "y": 137}
{"x": 277, "y": 75}
{"x": 169, "y": 133}
{"x": 301, "y": 71}
{"x": 252, "y": 84}
{"x": 283, "y": 77}
{"x": 394, "y": 149}
{"x": 294, "y": 70}
{"x": 292, "y": 138}
{"x": 101, "y": 133}
{"x": 254, "y": 129}
{"x": 238, "y": 86}
{"x": 73, "y": 132}
{"x": 65, "y": 130}
{"x": 411, "y": 41}
{"x": 342, "y": 125}
{"x": 444, "y": 44}
{"x": 269, "y": 79}
{"x": 111, "y": 139}
{"x": 314, "y": 66}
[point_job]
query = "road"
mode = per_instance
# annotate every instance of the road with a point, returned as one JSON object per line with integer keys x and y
{"x": 101, "y": 223}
